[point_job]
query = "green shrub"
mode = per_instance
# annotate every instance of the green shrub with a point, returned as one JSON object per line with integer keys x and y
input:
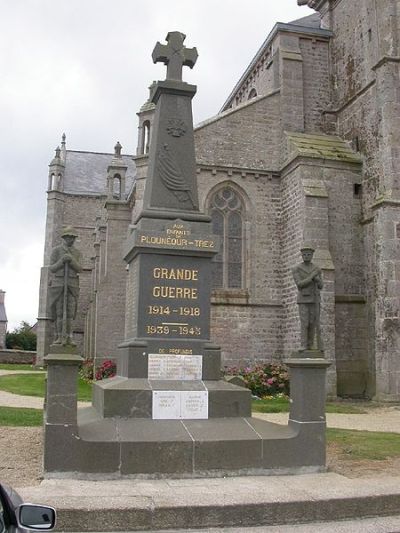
{"x": 263, "y": 379}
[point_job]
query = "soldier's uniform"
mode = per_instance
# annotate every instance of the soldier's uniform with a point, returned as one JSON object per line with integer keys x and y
{"x": 58, "y": 282}
{"x": 308, "y": 300}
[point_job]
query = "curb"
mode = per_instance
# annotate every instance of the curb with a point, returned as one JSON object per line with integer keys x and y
{"x": 143, "y": 505}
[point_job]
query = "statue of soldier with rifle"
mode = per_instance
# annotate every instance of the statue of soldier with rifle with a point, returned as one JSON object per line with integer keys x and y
{"x": 65, "y": 265}
{"x": 308, "y": 279}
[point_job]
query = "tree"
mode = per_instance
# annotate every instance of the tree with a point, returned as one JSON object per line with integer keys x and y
{"x": 22, "y": 338}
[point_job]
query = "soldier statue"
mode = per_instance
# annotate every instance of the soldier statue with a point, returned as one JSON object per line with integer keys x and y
{"x": 65, "y": 265}
{"x": 308, "y": 279}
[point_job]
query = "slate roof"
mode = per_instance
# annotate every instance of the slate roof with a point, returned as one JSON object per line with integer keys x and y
{"x": 322, "y": 146}
{"x": 86, "y": 172}
{"x": 3, "y": 316}
{"x": 311, "y": 21}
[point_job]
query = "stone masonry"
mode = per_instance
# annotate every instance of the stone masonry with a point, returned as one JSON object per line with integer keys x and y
{"x": 308, "y": 141}
{"x": 3, "y": 321}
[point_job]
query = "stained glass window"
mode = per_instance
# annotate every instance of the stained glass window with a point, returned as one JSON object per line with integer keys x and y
{"x": 227, "y": 220}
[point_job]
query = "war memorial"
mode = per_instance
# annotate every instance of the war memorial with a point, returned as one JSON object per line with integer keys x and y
{"x": 303, "y": 151}
{"x": 168, "y": 413}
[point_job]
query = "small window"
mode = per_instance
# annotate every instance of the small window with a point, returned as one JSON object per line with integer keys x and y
{"x": 146, "y": 136}
{"x": 252, "y": 94}
{"x": 355, "y": 143}
{"x": 357, "y": 190}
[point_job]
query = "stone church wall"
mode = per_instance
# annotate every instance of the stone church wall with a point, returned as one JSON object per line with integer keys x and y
{"x": 262, "y": 80}
{"x": 256, "y": 308}
{"x": 111, "y": 289}
{"x": 247, "y": 334}
{"x": 246, "y": 137}
{"x": 354, "y": 49}
{"x": 352, "y": 347}
{"x": 346, "y": 245}
{"x": 346, "y": 242}
{"x": 3, "y": 331}
{"x": 366, "y": 77}
{"x": 291, "y": 236}
{"x": 316, "y": 88}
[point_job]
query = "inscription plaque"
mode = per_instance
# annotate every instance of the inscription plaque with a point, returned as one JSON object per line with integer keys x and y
{"x": 166, "y": 405}
{"x": 194, "y": 404}
{"x": 175, "y": 367}
{"x": 177, "y": 405}
{"x": 175, "y": 297}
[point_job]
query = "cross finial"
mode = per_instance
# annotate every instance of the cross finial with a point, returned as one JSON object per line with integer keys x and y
{"x": 175, "y": 55}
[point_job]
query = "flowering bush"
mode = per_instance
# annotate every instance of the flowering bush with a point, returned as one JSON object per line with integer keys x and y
{"x": 86, "y": 370}
{"x": 263, "y": 380}
{"x": 107, "y": 369}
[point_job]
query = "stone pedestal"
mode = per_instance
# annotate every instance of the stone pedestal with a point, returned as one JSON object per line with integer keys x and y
{"x": 307, "y": 389}
{"x": 60, "y": 417}
{"x": 307, "y": 407}
{"x": 62, "y": 376}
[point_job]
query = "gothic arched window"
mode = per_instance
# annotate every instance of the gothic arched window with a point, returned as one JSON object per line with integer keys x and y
{"x": 227, "y": 214}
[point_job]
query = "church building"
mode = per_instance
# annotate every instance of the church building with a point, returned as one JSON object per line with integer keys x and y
{"x": 305, "y": 149}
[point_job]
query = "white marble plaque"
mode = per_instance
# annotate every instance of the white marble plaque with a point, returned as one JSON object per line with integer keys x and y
{"x": 193, "y": 367}
{"x": 156, "y": 366}
{"x": 175, "y": 367}
{"x": 166, "y": 405}
{"x": 194, "y": 404}
{"x": 179, "y": 405}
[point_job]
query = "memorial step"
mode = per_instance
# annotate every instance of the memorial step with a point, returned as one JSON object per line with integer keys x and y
{"x": 183, "y": 448}
{"x": 143, "y": 398}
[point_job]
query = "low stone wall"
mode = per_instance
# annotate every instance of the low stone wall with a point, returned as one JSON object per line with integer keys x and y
{"x": 17, "y": 356}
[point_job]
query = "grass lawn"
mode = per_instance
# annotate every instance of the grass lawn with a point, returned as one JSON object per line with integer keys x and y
{"x": 281, "y": 405}
{"x": 17, "y": 416}
{"x": 368, "y": 445}
{"x": 34, "y": 385}
{"x": 31, "y": 368}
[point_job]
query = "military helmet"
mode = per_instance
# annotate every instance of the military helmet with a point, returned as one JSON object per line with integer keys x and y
{"x": 307, "y": 247}
{"x": 69, "y": 231}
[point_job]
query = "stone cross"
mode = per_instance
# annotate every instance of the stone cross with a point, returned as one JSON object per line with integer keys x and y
{"x": 174, "y": 55}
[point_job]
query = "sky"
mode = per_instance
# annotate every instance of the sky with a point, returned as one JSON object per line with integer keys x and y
{"x": 83, "y": 67}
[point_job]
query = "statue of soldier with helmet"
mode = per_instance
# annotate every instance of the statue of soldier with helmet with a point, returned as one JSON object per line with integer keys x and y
{"x": 65, "y": 265}
{"x": 308, "y": 278}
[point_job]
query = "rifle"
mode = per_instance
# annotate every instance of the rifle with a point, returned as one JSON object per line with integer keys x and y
{"x": 65, "y": 303}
